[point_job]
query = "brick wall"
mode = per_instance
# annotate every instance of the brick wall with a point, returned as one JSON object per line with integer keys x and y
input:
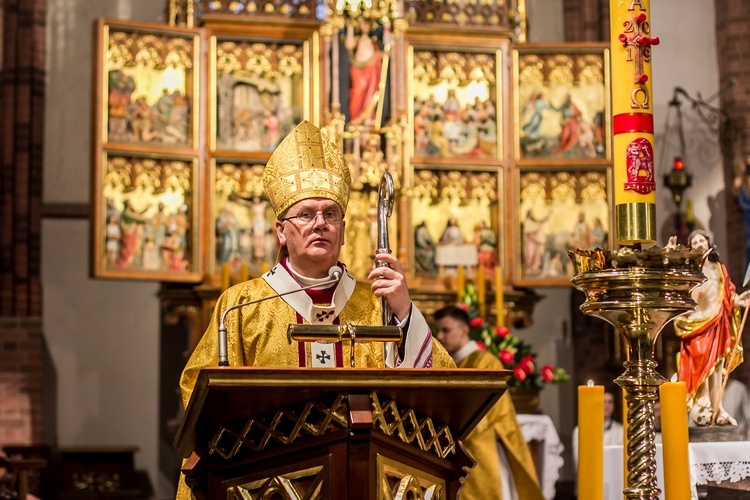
{"x": 733, "y": 48}
{"x": 22, "y": 71}
{"x": 586, "y": 20}
{"x": 21, "y": 372}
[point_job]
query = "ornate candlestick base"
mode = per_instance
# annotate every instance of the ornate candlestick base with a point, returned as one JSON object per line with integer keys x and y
{"x": 638, "y": 292}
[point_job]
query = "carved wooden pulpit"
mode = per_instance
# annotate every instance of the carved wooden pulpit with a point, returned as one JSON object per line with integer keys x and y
{"x": 332, "y": 433}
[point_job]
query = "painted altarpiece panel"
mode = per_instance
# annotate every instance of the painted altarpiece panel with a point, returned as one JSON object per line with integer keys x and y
{"x": 146, "y": 218}
{"x": 360, "y": 62}
{"x": 556, "y": 211}
{"x": 561, "y": 104}
{"x": 455, "y": 104}
{"x": 148, "y": 86}
{"x": 456, "y": 220}
{"x": 259, "y": 92}
{"x": 241, "y": 228}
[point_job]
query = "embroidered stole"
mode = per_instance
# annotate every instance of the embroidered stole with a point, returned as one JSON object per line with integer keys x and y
{"x": 315, "y": 307}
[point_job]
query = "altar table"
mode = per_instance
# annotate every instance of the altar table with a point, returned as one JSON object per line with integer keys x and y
{"x": 539, "y": 431}
{"x": 715, "y": 462}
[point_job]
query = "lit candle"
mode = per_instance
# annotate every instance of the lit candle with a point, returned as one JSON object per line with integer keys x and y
{"x": 225, "y": 276}
{"x": 674, "y": 438}
{"x": 590, "y": 442}
{"x": 633, "y": 122}
{"x": 244, "y": 273}
{"x": 481, "y": 291}
{"x": 499, "y": 296}
{"x": 460, "y": 283}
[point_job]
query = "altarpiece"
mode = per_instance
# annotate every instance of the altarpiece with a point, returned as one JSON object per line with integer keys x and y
{"x": 499, "y": 149}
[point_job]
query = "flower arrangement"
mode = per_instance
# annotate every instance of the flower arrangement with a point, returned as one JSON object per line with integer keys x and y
{"x": 515, "y": 354}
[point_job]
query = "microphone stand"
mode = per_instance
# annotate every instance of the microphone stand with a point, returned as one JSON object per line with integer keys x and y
{"x": 334, "y": 274}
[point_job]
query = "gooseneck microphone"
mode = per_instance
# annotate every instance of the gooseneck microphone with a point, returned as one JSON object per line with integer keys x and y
{"x": 334, "y": 274}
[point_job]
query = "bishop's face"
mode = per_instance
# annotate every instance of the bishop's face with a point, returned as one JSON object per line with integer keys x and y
{"x": 314, "y": 246}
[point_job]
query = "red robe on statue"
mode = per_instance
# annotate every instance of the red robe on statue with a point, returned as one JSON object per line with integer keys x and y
{"x": 706, "y": 342}
{"x": 364, "y": 82}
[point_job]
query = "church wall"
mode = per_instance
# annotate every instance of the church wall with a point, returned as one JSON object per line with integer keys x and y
{"x": 688, "y": 42}
{"x": 102, "y": 336}
{"x": 686, "y": 57}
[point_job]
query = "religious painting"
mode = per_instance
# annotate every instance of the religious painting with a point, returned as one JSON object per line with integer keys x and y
{"x": 146, "y": 223}
{"x": 556, "y": 211}
{"x": 561, "y": 104}
{"x": 148, "y": 86}
{"x": 456, "y": 221}
{"x": 454, "y": 105}
{"x": 359, "y": 65}
{"x": 242, "y": 219}
{"x": 261, "y": 91}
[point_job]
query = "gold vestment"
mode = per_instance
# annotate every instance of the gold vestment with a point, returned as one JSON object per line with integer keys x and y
{"x": 257, "y": 336}
{"x": 500, "y": 423}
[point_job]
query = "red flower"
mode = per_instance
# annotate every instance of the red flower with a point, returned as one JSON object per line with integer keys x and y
{"x": 476, "y": 321}
{"x": 527, "y": 363}
{"x": 519, "y": 374}
{"x": 502, "y": 331}
{"x": 548, "y": 373}
{"x": 506, "y": 356}
{"x": 481, "y": 345}
{"x": 464, "y": 306}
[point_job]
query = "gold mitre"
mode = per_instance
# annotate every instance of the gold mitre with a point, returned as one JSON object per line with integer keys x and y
{"x": 306, "y": 164}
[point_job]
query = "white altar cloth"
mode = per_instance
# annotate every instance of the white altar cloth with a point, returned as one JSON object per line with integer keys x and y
{"x": 541, "y": 428}
{"x": 716, "y": 462}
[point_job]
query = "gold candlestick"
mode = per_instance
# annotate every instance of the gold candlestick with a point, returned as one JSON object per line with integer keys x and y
{"x": 638, "y": 292}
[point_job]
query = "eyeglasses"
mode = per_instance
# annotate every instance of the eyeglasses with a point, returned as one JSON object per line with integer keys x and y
{"x": 306, "y": 217}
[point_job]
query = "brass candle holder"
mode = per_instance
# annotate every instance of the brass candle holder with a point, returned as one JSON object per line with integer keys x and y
{"x": 639, "y": 292}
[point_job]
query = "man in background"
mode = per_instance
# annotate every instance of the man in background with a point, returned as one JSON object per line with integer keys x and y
{"x": 504, "y": 469}
{"x": 612, "y": 429}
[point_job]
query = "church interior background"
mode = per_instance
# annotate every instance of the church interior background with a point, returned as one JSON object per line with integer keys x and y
{"x": 157, "y": 119}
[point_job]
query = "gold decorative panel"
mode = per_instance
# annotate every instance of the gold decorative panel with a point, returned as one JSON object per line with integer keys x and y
{"x": 562, "y": 109}
{"x": 508, "y": 16}
{"x": 397, "y": 481}
{"x": 151, "y": 87}
{"x": 259, "y": 93}
{"x": 457, "y": 220}
{"x": 280, "y": 428}
{"x": 306, "y": 484}
{"x": 455, "y": 98}
{"x": 408, "y": 427}
{"x": 560, "y": 210}
{"x": 242, "y": 222}
{"x": 147, "y": 225}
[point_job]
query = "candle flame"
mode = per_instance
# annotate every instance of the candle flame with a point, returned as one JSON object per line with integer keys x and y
{"x": 674, "y": 378}
{"x": 590, "y": 383}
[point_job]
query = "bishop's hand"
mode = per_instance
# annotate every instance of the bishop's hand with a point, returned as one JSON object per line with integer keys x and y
{"x": 390, "y": 282}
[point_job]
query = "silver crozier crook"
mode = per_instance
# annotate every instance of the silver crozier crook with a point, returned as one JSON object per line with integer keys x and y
{"x": 385, "y": 208}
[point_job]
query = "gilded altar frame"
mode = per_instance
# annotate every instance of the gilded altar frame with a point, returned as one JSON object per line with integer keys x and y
{"x": 260, "y": 85}
{"x": 147, "y": 152}
{"x": 424, "y": 60}
{"x": 561, "y": 104}
{"x": 459, "y": 212}
{"x": 556, "y": 209}
{"x": 456, "y": 83}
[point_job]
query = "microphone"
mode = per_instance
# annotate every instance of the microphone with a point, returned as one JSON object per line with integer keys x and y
{"x": 334, "y": 274}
